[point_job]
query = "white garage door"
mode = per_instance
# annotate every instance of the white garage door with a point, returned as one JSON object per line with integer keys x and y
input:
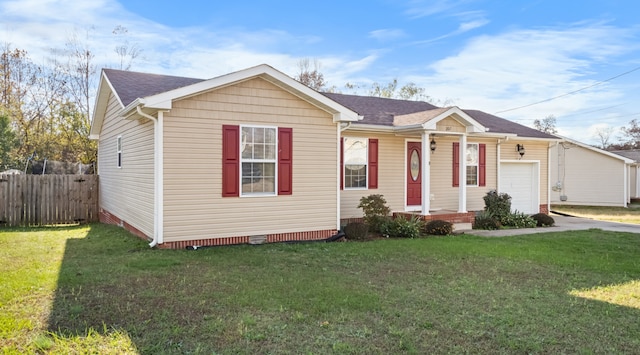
{"x": 521, "y": 182}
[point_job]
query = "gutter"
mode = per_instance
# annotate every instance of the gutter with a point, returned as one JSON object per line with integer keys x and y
{"x": 157, "y": 176}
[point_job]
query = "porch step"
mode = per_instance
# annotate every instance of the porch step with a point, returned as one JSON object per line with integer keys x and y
{"x": 457, "y": 227}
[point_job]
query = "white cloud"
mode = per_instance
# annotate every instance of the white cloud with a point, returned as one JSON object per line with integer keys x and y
{"x": 423, "y": 8}
{"x": 387, "y": 34}
{"x": 495, "y": 73}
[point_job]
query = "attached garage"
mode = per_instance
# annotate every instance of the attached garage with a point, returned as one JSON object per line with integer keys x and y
{"x": 521, "y": 180}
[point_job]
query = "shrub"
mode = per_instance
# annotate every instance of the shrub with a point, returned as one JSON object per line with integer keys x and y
{"x": 375, "y": 210}
{"x": 438, "y": 227}
{"x": 543, "y": 220}
{"x": 497, "y": 204}
{"x": 484, "y": 220}
{"x": 356, "y": 230}
{"x": 402, "y": 227}
{"x": 519, "y": 220}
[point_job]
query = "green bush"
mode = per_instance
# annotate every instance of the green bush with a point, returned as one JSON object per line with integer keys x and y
{"x": 356, "y": 230}
{"x": 519, "y": 220}
{"x": 438, "y": 227}
{"x": 375, "y": 210}
{"x": 543, "y": 220}
{"x": 402, "y": 227}
{"x": 497, "y": 204}
{"x": 484, "y": 220}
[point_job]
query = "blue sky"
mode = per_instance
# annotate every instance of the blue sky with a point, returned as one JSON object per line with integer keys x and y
{"x": 488, "y": 55}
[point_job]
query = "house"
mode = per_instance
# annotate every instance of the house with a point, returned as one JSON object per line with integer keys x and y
{"x": 586, "y": 175}
{"x": 254, "y": 156}
{"x": 634, "y": 171}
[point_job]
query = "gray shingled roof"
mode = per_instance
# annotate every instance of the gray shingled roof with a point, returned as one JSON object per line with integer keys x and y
{"x": 379, "y": 110}
{"x": 633, "y": 154}
{"x": 132, "y": 85}
{"x": 375, "y": 110}
{"x": 496, "y": 124}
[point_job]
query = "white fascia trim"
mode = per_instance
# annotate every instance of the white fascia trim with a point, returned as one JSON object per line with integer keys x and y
{"x": 101, "y": 103}
{"x": 163, "y": 101}
{"x": 597, "y": 150}
{"x": 471, "y": 124}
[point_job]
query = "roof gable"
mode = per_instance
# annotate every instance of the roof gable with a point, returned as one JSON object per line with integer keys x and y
{"x": 157, "y": 92}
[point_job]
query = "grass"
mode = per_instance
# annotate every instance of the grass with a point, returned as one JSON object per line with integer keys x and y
{"x": 614, "y": 214}
{"x": 97, "y": 289}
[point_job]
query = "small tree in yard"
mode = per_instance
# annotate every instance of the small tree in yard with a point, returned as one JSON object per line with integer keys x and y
{"x": 498, "y": 205}
{"x": 375, "y": 210}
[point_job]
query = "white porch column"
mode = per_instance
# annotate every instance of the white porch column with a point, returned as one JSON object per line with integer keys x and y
{"x": 462, "y": 192}
{"x": 426, "y": 174}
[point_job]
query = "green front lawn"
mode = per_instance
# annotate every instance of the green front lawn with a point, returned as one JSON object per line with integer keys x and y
{"x": 97, "y": 289}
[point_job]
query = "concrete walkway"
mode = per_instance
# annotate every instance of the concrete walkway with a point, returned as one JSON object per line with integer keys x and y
{"x": 563, "y": 223}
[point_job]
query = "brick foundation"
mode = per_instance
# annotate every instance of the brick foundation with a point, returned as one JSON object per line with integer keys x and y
{"x": 108, "y": 218}
{"x": 270, "y": 238}
{"x": 544, "y": 209}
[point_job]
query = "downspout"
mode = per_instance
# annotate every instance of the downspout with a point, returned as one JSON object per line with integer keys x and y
{"x": 549, "y": 176}
{"x": 157, "y": 175}
{"x": 339, "y": 169}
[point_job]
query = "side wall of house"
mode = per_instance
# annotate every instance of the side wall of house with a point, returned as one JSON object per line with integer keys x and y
{"x": 194, "y": 206}
{"x": 634, "y": 182}
{"x": 586, "y": 177}
{"x": 126, "y": 193}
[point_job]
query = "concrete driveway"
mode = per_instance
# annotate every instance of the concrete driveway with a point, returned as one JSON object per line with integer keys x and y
{"x": 563, "y": 223}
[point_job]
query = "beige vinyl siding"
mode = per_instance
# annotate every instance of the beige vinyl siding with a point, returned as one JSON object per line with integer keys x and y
{"x": 194, "y": 206}
{"x": 127, "y": 192}
{"x": 450, "y": 125}
{"x": 587, "y": 177}
{"x": 444, "y": 195}
{"x": 391, "y": 184}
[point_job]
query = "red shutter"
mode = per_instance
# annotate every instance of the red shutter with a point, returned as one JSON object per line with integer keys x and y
{"x": 341, "y": 163}
{"x": 285, "y": 161}
{"x": 482, "y": 164}
{"x": 373, "y": 163}
{"x": 456, "y": 164}
{"x": 230, "y": 161}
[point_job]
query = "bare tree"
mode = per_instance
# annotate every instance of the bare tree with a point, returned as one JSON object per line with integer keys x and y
{"x": 631, "y": 134}
{"x": 604, "y": 136}
{"x": 309, "y": 74}
{"x": 547, "y": 124}
{"x": 127, "y": 52}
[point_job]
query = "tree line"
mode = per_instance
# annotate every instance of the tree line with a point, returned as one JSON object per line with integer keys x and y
{"x": 45, "y": 109}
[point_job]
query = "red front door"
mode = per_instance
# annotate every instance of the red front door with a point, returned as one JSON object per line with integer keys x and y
{"x": 414, "y": 171}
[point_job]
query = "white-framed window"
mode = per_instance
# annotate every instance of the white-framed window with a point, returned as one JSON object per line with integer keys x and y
{"x": 355, "y": 163}
{"x": 119, "y": 151}
{"x": 258, "y": 158}
{"x": 473, "y": 160}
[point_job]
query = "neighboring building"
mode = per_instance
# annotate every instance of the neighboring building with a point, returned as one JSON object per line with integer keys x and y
{"x": 585, "y": 175}
{"x": 256, "y": 156}
{"x": 634, "y": 170}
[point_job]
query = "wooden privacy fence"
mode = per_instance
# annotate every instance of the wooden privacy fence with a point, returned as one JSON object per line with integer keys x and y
{"x": 32, "y": 200}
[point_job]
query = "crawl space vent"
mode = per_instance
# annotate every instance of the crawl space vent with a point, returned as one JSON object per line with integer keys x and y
{"x": 257, "y": 239}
